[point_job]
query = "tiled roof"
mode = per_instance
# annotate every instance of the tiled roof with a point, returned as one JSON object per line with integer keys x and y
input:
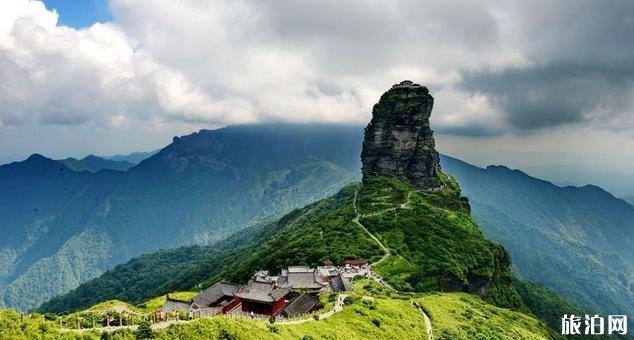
{"x": 340, "y": 284}
{"x": 263, "y": 292}
{"x": 214, "y": 293}
{"x": 299, "y": 269}
{"x": 301, "y": 305}
{"x": 175, "y": 305}
{"x": 304, "y": 280}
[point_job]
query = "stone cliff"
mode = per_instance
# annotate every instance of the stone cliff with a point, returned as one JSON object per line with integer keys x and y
{"x": 399, "y": 141}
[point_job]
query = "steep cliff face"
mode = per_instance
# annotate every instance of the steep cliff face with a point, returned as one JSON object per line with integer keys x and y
{"x": 399, "y": 141}
{"x": 419, "y": 211}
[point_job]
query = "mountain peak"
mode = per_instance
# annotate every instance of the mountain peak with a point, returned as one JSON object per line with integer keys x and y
{"x": 36, "y": 157}
{"x": 399, "y": 141}
{"x": 91, "y": 157}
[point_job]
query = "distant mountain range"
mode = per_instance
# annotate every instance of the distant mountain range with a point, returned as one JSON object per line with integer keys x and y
{"x": 576, "y": 240}
{"x": 407, "y": 218}
{"x": 134, "y": 158}
{"x": 62, "y": 227}
{"x": 93, "y": 164}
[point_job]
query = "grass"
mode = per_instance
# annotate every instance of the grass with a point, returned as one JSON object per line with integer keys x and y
{"x": 377, "y": 317}
{"x": 435, "y": 244}
{"x": 370, "y": 312}
{"x": 464, "y": 316}
{"x": 113, "y": 305}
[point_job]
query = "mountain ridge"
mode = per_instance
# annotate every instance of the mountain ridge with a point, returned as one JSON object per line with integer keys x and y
{"x": 414, "y": 228}
{"x": 173, "y": 198}
{"x": 94, "y": 163}
{"x": 578, "y": 291}
{"x": 580, "y": 232}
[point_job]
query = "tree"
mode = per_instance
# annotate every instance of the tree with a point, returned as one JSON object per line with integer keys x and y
{"x": 144, "y": 331}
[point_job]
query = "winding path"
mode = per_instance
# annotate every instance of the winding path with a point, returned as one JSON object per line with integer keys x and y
{"x": 430, "y": 335}
{"x": 356, "y": 221}
{"x": 339, "y": 303}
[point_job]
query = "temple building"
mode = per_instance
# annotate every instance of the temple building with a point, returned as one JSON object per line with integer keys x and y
{"x": 219, "y": 297}
{"x": 291, "y": 292}
{"x": 302, "y": 304}
{"x": 301, "y": 278}
{"x": 175, "y": 305}
{"x": 263, "y": 297}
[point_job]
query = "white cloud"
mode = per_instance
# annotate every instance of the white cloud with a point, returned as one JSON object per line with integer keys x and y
{"x": 116, "y": 121}
{"x": 58, "y": 75}
{"x": 170, "y": 65}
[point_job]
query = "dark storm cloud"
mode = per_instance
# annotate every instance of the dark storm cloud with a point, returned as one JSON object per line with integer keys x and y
{"x": 579, "y": 69}
{"x": 578, "y": 30}
{"x": 473, "y": 130}
{"x": 368, "y": 36}
{"x": 221, "y": 62}
{"x": 554, "y": 94}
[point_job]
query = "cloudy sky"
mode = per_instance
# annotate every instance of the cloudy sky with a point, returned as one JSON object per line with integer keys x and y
{"x": 547, "y": 87}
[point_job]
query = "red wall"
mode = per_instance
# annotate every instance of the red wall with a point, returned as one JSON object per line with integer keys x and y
{"x": 262, "y": 308}
{"x": 231, "y": 305}
{"x": 278, "y": 305}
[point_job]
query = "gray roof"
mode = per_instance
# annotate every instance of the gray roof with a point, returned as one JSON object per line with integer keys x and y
{"x": 406, "y": 84}
{"x": 214, "y": 293}
{"x": 301, "y": 305}
{"x": 340, "y": 283}
{"x": 299, "y": 269}
{"x": 301, "y": 277}
{"x": 263, "y": 292}
{"x": 304, "y": 280}
{"x": 175, "y": 305}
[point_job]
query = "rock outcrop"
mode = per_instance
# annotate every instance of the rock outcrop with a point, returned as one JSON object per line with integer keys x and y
{"x": 399, "y": 141}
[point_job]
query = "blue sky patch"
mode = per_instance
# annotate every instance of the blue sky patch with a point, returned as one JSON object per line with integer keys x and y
{"x": 80, "y": 13}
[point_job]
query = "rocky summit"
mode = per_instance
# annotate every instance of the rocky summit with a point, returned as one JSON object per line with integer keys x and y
{"x": 399, "y": 141}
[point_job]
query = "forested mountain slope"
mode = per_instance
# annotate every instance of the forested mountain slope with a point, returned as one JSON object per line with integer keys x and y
{"x": 61, "y": 227}
{"x": 548, "y": 230}
{"x": 93, "y": 164}
{"x": 407, "y": 217}
{"x": 577, "y": 241}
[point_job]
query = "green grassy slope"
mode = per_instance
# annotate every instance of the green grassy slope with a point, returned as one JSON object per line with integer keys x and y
{"x": 61, "y": 228}
{"x": 318, "y": 232}
{"x": 435, "y": 244}
{"x": 576, "y": 241}
{"x": 457, "y": 316}
{"x": 308, "y": 236}
{"x": 370, "y": 312}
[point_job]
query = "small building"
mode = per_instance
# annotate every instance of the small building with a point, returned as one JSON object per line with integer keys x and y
{"x": 301, "y": 278}
{"x": 340, "y": 283}
{"x": 263, "y": 297}
{"x": 302, "y": 304}
{"x": 358, "y": 263}
{"x": 220, "y": 297}
{"x": 175, "y": 305}
{"x": 408, "y": 84}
